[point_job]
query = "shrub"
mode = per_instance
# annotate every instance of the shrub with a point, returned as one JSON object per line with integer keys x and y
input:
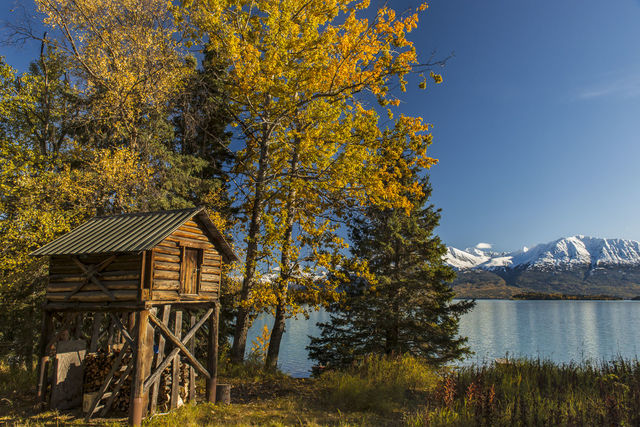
{"x": 376, "y": 383}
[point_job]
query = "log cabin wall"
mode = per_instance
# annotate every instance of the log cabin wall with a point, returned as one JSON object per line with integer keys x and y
{"x": 186, "y": 266}
{"x": 68, "y": 279}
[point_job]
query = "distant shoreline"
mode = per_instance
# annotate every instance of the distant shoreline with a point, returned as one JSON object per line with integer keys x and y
{"x": 535, "y": 296}
{"x": 559, "y": 296}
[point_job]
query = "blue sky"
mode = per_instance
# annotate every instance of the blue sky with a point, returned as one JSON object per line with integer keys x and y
{"x": 536, "y": 123}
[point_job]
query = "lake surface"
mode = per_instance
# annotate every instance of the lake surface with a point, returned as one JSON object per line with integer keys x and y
{"x": 561, "y": 331}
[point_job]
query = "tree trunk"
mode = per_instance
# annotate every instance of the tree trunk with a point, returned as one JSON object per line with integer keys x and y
{"x": 276, "y": 337}
{"x": 285, "y": 269}
{"x": 242, "y": 319}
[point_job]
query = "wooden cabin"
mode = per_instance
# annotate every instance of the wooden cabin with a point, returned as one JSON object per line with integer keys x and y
{"x": 168, "y": 256}
{"x": 136, "y": 279}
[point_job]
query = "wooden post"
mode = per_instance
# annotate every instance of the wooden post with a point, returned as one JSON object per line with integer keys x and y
{"x": 166, "y": 311}
{"x": 192, "y": 370}
{"x": 212, "y": 357}
{"x": 77, "y": 326}
{"x": 95, "y": 334}
{"x": 43, "y": 362}
{"x": 142, "y": 363}
{"x": 175, "y": 375}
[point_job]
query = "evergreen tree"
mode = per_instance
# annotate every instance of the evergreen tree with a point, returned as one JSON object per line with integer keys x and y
{"x": 409, "y": 309}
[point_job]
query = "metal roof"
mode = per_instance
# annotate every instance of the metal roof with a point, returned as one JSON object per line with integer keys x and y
{"x": 133, "y": 232}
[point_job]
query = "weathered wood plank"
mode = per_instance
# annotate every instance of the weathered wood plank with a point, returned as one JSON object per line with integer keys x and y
{"x": 105, "y": 276}
{"x": 188, "y": 235}
{"x": 209, "y": 296}
{"x": 117, "y": 263}
{"x": 212, "y": 254}
{"x": 208, "y": 287}
{"x": 93, "y": 259}
{"x": 166, "y": 285}
{"x": 211, "y": 262}
{"x": 168, "y": 257}
{"x": 168, "y": 243}
{"x": 208, "y": 269}
{"x": 93, "y": 296}
{"x": 167, "y": 250}
{"x": 193, "y": 229}
{"x": 210, "y": 277}
{"x": 190, "y": 242}
{"x": 133, "y": 268}
{"x": 171, "y": 266}
{"x": 166, "y": 274}
{"x": 70, "y": 286}
{"x": 165, "y": 295}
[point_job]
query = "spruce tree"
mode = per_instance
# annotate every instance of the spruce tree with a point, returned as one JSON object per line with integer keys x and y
{"x": 410, "y": 308}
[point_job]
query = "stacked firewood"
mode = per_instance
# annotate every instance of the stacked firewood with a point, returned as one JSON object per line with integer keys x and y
{"x": 97, "y": 367}
{"x": 164, "y": 390}
{"x": 166, "y": 380}
{"x": 122, "y": 400}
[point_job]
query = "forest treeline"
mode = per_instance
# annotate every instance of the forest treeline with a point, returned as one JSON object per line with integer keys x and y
{"x": 281, "y": 117}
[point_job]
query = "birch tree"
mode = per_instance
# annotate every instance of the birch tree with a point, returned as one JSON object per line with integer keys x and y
{"x": 299, "y": 77}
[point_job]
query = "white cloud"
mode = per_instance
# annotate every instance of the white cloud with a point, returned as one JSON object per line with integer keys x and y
{"x": 483, "y": 246}
{"x": 626, "y": 87}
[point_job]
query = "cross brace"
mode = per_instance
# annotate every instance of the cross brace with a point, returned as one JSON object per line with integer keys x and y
{"x": 91, "y": 272}
{"x": 180, "y": 347}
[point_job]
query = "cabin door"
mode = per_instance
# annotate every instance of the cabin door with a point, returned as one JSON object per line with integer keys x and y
{"x": 191, "y": 270}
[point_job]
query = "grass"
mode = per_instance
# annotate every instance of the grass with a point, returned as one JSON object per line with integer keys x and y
{"x": 389, "y": 391}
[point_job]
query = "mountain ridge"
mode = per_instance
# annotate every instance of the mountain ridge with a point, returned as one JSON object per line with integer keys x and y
{"x": 571, "y": 265}
{"x": 570, "y": 251}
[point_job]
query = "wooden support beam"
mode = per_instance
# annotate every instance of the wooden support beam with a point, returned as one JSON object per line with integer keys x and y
{"x": 105, "y": 306}
{"x": 156, "y": 374}
{"x": 166, "y": 311}
{"x": 175, "y": 373}
{"x": 212, "y": 357}
{"x": 192, "y": 371}
{"x": 180, "y": 344}
{"x": 95, "y": 332}
{"x": 45, "y": 334}
{"x": 142, "y": 363}
{"x": 122, "y": 329}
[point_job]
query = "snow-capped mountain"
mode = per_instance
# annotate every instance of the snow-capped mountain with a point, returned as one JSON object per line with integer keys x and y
{"x": 565, "y": 253}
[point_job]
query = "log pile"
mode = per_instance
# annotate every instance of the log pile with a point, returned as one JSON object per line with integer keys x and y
{"x": 164, "y": 391}
{"x": 97, "y": 367}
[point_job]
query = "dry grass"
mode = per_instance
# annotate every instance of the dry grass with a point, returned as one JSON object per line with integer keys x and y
{"x": 390, "y": 392}
{"x": 270, "y": 399}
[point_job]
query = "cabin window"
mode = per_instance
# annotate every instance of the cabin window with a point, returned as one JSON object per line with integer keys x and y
{"x": 191, "y": 266}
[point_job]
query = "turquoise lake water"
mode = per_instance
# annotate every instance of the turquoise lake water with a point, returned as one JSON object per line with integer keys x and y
{"x": 561, "y": 331}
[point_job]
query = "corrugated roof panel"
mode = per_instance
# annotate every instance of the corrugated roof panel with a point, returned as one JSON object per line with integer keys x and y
{"x": 120, "y": 233}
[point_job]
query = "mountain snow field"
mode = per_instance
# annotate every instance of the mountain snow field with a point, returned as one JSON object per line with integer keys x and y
{"x": 564, "y": 253}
